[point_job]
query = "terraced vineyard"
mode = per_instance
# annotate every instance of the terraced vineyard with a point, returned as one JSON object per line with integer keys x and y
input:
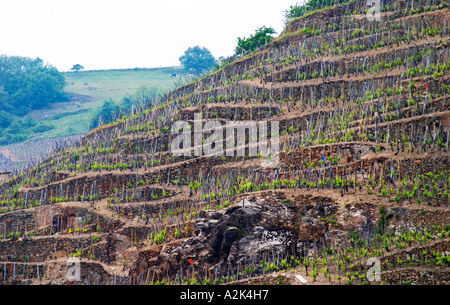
{"x": 364, "y": 126}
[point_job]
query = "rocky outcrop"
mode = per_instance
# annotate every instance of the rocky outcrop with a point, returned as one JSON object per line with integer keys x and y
{"x": 243, "y": 231}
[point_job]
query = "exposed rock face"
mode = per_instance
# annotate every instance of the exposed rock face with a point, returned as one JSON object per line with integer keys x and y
{"x": 226, "y": 228}
{"x": 228, "y": 236}
{"x": 258, "y": 228}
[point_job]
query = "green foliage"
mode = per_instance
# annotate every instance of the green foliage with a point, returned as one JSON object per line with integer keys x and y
{"x": 261, "y": 37}
{"x": 299, "y": 10}
{"x": 197, "y": 59}
{"x": 27, "y": 84}
{"x": 111, "y": 110}
{"x": 74, "y": 118}
{"x": 105, "y": 113}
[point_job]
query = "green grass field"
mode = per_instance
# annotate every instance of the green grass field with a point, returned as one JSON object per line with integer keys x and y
{"x": 89, "y": 89}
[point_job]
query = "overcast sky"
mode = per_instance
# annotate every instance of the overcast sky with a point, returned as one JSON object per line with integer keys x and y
{"x": 113, "y": 34}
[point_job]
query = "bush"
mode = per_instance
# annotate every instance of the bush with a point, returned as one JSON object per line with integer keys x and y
{"x": 112, "y": 110}
{"x": 197, "y": 60}
{"x": 261, "y": 37}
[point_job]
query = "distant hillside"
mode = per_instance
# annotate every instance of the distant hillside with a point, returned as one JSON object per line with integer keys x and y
{"x": 87, "y": 90}
{"x": 116, "y": 84}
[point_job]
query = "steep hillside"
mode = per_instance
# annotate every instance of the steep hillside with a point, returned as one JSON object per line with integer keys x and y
{"x": 364, "y": 169}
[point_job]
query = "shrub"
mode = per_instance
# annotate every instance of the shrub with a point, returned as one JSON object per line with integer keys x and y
{"x": 261, "y": 37}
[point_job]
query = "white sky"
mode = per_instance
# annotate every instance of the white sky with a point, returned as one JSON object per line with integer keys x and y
{"x": 115, "y": 34}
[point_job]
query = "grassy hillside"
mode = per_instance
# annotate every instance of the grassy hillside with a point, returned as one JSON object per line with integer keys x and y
{"x": 87, "y": 90}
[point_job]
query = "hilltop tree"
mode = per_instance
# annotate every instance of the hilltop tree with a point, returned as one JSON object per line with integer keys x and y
{"x": 197, "y": 59}
{"x": 261, "y": 37}
{"x": 4, "y": 100}
{"x": 77, "y": 67}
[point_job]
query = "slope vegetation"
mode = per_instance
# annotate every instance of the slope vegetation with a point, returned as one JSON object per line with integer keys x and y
{"x": 364, "y": 136}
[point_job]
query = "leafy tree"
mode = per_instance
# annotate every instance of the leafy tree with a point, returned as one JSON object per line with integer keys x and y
{"x": 43, "y": 87}
{"x": 29, "y": 84}
{"x": 18, "y": 129}
{"x": 104, "y": 114}
{"x": 5, "y": 119}
{"x": 4, "y": 99}
{"x": 26, "y": 84}
{"x": 261, "y": 37}
{"x": 197, "y": 59}
{"x": 77, "y": 68}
